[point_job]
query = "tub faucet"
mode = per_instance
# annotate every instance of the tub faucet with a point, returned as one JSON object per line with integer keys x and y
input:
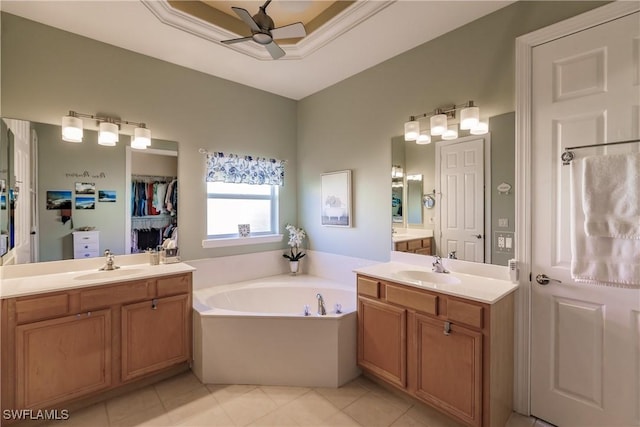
{"x": 438, "y": 267}
{"x": 110, "y": 264}
{"x": 322, "y": 311}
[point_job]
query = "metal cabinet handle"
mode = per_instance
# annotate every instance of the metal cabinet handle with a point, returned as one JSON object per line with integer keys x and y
{"x": 447, "y": 328}
{"x": 543, "y": 279}
{"x": 154, "y": 304}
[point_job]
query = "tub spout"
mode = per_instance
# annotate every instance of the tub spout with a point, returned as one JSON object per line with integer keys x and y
{"x": 322, "y": 311}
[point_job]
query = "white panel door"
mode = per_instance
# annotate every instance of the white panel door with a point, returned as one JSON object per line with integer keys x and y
{"x": 22, "y": 170}
{"x": 461, "y": 166}
{"x": 585, "y": 362}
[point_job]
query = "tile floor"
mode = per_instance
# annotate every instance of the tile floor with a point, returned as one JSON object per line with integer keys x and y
{"x": 184, "y": 401}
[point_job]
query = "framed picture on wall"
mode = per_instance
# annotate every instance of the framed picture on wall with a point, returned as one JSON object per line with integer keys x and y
{"x": 58, "y": 199}
{"x": 336, "y": 199}
{"x": 85, "y": 188}
{"x": 85, "y": 202}
{"x": 106, "y": 195}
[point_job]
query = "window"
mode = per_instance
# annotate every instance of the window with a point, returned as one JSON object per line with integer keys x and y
{"x": 230, "y": 204}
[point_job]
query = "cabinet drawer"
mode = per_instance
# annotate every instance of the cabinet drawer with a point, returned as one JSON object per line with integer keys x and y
{"x": 420, "y": 301}
{"x": 368, "y": 287}
{"x": 469, "y": 314}
{"x": 412, "y": 245}
{"x": 85, "y": 237}
{"x": 84, "y": 254}
{"x": 174, "y": 285}
{"x": 106, "y": 296}
{"x": 86, "y": 247}
{"x": 29, "y": 310}
{"x": 401, "y": 246}
{"x": 424, "y": 251}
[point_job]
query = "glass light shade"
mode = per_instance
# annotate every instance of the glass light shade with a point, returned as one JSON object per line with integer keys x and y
{"x": 469, "y": 117}
{"x": 480, "y": 129}
{"x": 423, "y": 139}
{"x": 411, "y": 130}
{"x": 108, "y": 134}
{"x": 450, "y": 133}
{"x": 72, "y": 129}
{"x": 438, "y": 124}
{"x": 138, "y": 144}
{"x": 141, "y": 136}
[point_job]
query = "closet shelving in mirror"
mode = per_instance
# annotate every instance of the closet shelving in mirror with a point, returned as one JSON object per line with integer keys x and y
{"x": 154, "y": 210}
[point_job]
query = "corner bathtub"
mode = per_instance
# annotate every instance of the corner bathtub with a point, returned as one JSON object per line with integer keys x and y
{"x": 255, "y": 332}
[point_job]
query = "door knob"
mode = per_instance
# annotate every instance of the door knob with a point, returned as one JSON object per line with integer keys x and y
{"x": 543, "y": 279}
{"x": 477, "y": 236}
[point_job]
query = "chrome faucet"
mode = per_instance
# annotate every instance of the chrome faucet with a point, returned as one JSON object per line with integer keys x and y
{"x": 110, "y": 264}
{"x": 438, "y": 267}
{"x": 322, "y": 311}
{"x": 452, "y": 255}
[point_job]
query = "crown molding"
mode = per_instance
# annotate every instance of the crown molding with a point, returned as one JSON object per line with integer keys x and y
{"x": 332, "y": 29}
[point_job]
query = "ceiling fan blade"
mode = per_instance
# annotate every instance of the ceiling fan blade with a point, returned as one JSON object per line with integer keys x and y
{"x": 292, "y": 31}
{"x": 275, "y": 50}
{"x": 231, "y": 41}
{"x": 246, "y": 18}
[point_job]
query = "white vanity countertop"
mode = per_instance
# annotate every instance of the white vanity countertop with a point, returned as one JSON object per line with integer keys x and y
{"x": 403, "y": 235}
{"x": 23, "y": 285}
{"x": 473, "y": 287}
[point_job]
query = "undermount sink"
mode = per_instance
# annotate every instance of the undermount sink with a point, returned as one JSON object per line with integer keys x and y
{"x": 428, "y": 276}
{"x": 108, "y": 274}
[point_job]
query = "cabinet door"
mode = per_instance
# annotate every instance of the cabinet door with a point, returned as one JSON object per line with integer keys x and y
{"x": 155, "y": 334}
{"x": 449, "y": 368}
{"x": 61, "y": 359}
{"x": 382, "y": 340}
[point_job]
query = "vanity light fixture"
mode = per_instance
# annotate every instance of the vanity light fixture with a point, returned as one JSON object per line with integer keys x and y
{"x": 450, "y": 133}
{"x": 423, "y": 138}
{"x": 411, "y": 129}
{"x": 108, "y": 133}
{"x": 108, "y": 130}
{"x": 439, "y": 126}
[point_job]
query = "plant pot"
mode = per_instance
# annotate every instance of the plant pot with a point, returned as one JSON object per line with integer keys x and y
{"x": 293, "y": 266}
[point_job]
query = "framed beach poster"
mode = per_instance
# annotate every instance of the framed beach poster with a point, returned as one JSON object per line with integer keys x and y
{"x": 336, "y": 198}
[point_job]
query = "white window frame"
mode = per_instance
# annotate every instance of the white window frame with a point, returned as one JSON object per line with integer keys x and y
{"x": 234, "y": 239}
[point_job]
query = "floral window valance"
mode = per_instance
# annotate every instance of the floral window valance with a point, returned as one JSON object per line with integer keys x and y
{"x": 232, "y": 168}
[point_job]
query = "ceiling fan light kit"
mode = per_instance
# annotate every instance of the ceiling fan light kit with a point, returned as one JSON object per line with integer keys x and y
{"x": 439, "y": 125}
{"x": 263, "y": 31}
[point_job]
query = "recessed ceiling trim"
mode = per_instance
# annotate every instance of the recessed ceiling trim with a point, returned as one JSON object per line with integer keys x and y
{"x": 341, "y": 23}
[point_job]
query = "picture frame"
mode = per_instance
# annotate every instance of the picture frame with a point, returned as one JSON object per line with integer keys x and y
{"x": 108, "y": 196}
{"x": 85, "y": 202}
{"x": 58, "y": 199}
{"x": 336, "y": 209}
{"x": 85, "y": 188}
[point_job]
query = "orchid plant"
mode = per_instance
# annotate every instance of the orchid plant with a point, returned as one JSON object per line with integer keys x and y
{"x": 296, "y": 236}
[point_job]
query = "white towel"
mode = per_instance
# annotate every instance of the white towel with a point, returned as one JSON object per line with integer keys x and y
{"x": 596, "y": 259}
{"x": 611, "y": 195}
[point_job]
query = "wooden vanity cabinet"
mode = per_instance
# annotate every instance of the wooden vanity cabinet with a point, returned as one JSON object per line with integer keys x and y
{"x": 422, "y": 246}
{"x": 456, "y": 354}
{"x": 382, "y": 340}
{"x": 61, "y": 347}
{"x": 62, "y": 358}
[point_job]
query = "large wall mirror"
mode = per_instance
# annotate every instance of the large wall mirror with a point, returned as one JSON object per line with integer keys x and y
{"x": 459, "y": 192}
{"x": 60, "y": 189}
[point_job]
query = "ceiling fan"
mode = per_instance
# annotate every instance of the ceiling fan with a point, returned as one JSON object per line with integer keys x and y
{"x": 263, "y": 31}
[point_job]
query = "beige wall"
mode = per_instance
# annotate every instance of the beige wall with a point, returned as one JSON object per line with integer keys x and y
{"x": 350, "y": 125}
{"x": 46, "y": 72}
